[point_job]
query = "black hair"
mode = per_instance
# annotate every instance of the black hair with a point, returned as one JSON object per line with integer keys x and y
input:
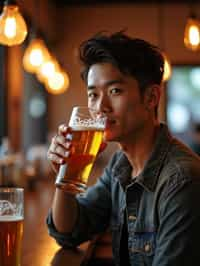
{"x": 131, "y": 56}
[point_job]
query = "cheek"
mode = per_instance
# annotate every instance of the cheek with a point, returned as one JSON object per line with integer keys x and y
{"x": 91, "y": 104}
{"x": 127, "y": 108}
{"x": 120, "y": 106}
{"x": 130, "y": 113}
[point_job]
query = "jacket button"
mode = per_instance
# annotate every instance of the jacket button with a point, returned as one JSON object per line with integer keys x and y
{"x": 147, "y": 247}
{"x": 132, "y": 218}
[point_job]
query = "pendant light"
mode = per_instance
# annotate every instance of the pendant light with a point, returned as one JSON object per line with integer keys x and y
{"x": 35, "y": 55}
{"x": 47, "y": 69}
{"x": 58, "y": 83}
{"x": 13, "y": 29}
{"x": 192, "y": 33}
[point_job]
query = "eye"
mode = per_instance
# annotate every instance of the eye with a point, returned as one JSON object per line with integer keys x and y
{"x": 115, "y": 91}
{"x": 92, "y": 95}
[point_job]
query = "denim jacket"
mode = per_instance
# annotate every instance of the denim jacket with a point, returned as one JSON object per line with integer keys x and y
{"x": 161, "y": 207}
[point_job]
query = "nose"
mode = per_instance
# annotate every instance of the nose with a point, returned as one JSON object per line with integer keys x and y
{"x": 104, "y": 104}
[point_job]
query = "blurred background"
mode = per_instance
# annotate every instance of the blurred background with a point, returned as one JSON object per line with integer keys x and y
{"x": 33, "y": 104}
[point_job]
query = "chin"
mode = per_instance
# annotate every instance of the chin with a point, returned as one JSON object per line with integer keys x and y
{"x": 109, "y": 136}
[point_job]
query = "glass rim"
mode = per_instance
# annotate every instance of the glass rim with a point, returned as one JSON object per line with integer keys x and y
{"x": 86, "y": 108}
{"x": 11, "y": 189}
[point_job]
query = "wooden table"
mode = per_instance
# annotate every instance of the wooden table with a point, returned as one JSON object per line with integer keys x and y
{"x": 39, "y": 249}
{"x": 9, "y": 159}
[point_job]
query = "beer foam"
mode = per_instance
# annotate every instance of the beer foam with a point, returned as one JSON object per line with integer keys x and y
{"x": 84, "y": 128}
{"x": 9, "y": 218}
{"x": 85, "y": 123}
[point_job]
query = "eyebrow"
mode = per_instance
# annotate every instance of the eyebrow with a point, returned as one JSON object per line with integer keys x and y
{"x": 107, "y": 84}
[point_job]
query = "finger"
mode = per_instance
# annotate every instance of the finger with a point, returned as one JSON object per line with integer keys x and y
{"x": 54, "y": 158}
{"x": 55, "y": 167}
{"x": 60, "y": 140}
{"x": 61, "y": 151}
{"x": 63, "y": 129}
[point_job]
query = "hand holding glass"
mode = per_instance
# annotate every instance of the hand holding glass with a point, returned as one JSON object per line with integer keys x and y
{"x": 87, "y": 134}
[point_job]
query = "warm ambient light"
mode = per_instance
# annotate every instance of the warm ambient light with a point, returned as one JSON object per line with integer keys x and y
{"x": 47, "y": 69}
{"x": 58, "y": 83}
{"x": 167, "y": 68}
{"x": 13, "y": 29}
{"x": 192, "y": 34}
{"x": 35, "y": 55}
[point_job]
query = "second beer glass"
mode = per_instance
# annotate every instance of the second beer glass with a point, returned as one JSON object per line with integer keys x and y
{"x": 11, "y": 225}
{"x": 87, "y": 133}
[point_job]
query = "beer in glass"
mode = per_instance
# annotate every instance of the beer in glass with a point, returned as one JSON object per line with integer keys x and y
{"x": 87, "y": 134}
{"x": 11, "y": 226}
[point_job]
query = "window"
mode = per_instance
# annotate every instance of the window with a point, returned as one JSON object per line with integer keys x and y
{"x": 183, "y": 101}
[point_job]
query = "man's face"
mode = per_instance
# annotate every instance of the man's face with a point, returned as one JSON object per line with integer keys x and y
{"x": 118, "y": 96}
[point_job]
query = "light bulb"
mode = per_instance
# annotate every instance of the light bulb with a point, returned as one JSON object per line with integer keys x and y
{"x": 58, "y": 83}
{"x": 192, "y": 34}
{"x": 35, "y": 55}
{"x": 13, "y": 29}
{"x": 167, "y": 68}
{"x": 47, "y": 69}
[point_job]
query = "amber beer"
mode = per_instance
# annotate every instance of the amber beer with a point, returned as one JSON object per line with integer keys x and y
{"x": 11, "y": 225}
{"x": 73, "y": 175}
{"x": 11, "y": 230}
{"x": 87, "y": 133}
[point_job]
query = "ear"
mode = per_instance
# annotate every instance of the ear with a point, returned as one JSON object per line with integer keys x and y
{"x": 152, "y": 96}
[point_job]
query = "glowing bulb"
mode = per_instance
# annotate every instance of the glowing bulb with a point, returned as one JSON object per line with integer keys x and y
{"x": 167, "y": 68}
{"x": 58, "y": 83}
{"x": 47, "y": 70}
{"x": 13, "y": 29}
{"x": 10, "y": 28}
{"x": 192, "y": 34}
{"x": 35, "y": 55}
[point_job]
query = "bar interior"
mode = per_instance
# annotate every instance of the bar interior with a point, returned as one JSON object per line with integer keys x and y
{"x": 36, "y": 98}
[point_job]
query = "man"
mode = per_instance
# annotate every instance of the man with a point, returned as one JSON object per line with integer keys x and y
{"x": 149, "y": 193}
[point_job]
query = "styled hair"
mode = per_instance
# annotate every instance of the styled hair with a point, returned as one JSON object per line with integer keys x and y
{"x": 131, "y": 56}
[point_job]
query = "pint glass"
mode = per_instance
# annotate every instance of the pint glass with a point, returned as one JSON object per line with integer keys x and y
{"x": 87, "y": 133}
{"x": 11, "y": 226}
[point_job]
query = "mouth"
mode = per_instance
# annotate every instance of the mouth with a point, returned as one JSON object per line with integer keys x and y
{"x": 110, "y": 122}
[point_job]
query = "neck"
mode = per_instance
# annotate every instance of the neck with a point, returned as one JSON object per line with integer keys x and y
{"x": 139, "y": 148}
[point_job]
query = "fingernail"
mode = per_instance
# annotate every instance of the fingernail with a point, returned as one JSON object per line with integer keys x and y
{"x": 69, "y": 136}
{"x": 60, "y": 161}
{"x": 67, "y": 153}
{"x": 65, "y": 128}
{"x": 67, "y": 145}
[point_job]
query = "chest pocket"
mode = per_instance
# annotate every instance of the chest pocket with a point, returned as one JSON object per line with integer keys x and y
{"x": 142, "y": 248}
{"x": 143, "y": 242}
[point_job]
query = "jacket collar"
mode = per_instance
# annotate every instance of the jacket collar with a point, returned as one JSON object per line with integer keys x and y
{"x": 149, "y": 176}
